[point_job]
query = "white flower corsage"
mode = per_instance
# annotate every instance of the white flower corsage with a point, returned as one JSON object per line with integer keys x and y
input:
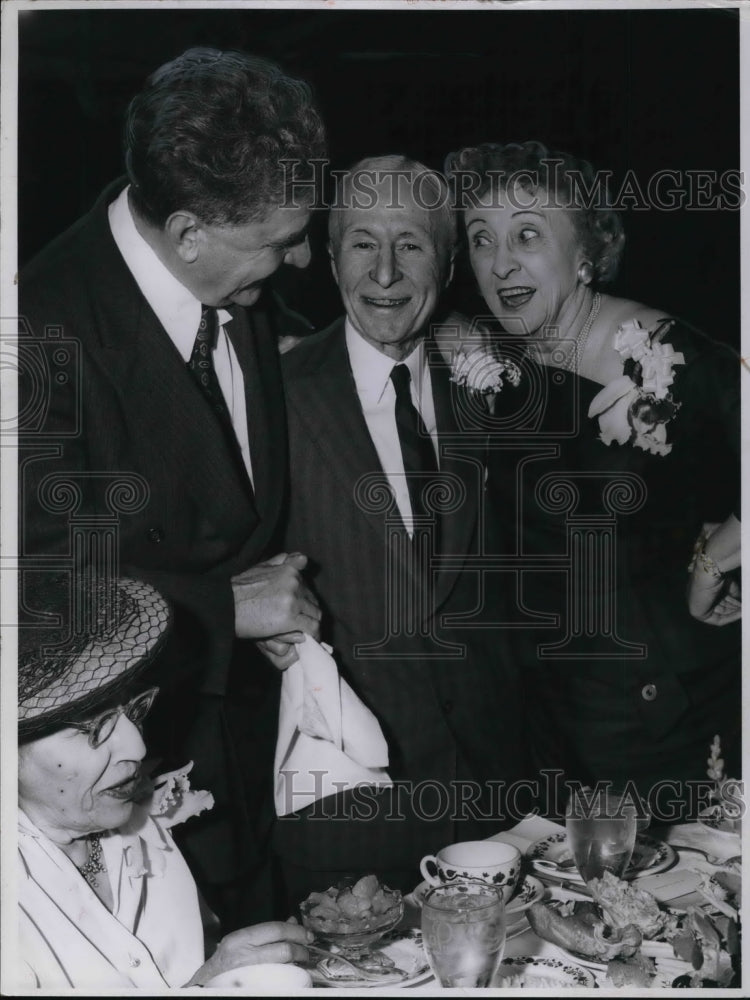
{"x": 479, "y": 371}
{"x": 161, "y": 803}
{"x": 174, "y": 801}
{"x": 636, "y": 407}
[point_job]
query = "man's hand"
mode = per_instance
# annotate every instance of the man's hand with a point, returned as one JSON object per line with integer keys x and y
{"x": 715, "y": 601}
{"x": 272, "y": 600}
{"x": 280, "y": 653}
{"x": 270, "y": 942}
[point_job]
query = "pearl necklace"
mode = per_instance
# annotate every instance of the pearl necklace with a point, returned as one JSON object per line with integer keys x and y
{"x": 573, "y": 360}
{"x": 95, "y": 864}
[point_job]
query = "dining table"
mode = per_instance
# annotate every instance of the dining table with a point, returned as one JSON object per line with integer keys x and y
{"x": 694, "y": 848}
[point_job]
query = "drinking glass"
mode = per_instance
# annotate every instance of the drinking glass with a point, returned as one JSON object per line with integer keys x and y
{"x": 630, "y": 799}
{"x": 463, "y": 931}
{"x": 601, "y": 833}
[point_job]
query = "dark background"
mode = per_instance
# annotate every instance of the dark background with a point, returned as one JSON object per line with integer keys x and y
{"x": 640, "y": 90}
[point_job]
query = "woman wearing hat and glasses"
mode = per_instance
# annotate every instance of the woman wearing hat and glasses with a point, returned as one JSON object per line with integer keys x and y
{"x": 106, "y": 899}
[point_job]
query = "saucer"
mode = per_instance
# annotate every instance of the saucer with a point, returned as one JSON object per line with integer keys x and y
{"x": 405, "y": 958}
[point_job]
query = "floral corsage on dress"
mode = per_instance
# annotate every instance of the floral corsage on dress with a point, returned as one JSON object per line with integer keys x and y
{"x": 480, "y": 371}
{"x": 636, "y": 407}
{"x": 162, "y": 803}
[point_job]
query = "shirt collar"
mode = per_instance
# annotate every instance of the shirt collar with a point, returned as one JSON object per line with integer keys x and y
{"x": 372, "y": 369}
{"x": 176, "y": 308}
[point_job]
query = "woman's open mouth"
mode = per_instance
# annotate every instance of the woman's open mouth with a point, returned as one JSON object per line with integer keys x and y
{"x": 124, "y": 789}
{"x": 514, "y": 298}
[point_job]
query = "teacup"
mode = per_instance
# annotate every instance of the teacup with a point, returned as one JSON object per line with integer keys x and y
{"x": 487, "y": 861}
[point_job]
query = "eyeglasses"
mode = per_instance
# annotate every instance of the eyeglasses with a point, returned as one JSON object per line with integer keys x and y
{"x": 100, "y": 728}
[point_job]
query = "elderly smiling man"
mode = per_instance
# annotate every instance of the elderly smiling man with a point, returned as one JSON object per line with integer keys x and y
{"x": 386, "y": 494}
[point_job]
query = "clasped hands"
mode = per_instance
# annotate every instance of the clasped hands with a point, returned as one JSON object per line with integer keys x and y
{"x": 274, "y": 606}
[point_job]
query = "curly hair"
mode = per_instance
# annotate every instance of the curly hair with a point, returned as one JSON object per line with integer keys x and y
{"x": 570, "y": 183}
{"x": 207, "y": 134}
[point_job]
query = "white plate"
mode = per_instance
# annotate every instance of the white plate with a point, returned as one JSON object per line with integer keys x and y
{"x": 529, "y": 890}
{"x": 267, "y": 976}
{"x": 544, "y": 973}
{"x": 403, "y": 947}
{"x": 649, "y": 856}
{"x": 517, "y": 928}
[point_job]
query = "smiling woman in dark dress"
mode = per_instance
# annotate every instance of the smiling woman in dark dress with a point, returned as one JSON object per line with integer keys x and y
{"x": 616, "y": 467}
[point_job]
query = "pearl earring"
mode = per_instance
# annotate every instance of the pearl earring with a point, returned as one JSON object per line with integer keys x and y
{"x": 586, "y": 272}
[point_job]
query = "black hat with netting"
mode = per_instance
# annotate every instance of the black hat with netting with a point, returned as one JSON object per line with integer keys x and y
{"x": 92, "y": 638}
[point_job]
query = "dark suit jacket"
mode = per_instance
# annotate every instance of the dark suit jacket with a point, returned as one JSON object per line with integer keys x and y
{"x": 445, "y": 716}
{"x": 128, "y": 407}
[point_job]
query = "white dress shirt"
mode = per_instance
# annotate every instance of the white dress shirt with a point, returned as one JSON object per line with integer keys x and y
{"x": 377, "y": 396}
{"x": 179, "y": 312}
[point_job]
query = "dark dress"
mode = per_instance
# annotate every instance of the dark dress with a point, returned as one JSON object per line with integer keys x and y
{"x": 622, "y": 682}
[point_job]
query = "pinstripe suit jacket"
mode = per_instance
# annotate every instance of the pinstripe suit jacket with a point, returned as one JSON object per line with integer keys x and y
{"x": 444, "y": 692}
{"x": 128, "y": 406}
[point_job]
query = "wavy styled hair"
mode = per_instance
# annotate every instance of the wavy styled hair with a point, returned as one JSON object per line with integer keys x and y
{"x": 570, "y": 183}
{"x": 207, "y": 132}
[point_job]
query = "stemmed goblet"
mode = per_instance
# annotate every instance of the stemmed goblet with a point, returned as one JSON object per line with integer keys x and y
{"x": 601, "y": 829}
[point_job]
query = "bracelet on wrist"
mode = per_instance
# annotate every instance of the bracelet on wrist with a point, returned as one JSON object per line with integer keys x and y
{"x": 702, "y": 559}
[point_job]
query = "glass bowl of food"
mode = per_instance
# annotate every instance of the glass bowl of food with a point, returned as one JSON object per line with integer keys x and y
{"x": 353, "y": 915}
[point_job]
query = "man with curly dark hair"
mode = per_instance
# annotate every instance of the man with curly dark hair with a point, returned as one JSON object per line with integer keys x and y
{"x": 178, "y": 396}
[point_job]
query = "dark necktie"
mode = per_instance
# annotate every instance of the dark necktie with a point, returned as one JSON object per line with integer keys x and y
{"x": 201, "y": 366}
{"x": 417, "y": 450}
{"x": 201, "y": 363}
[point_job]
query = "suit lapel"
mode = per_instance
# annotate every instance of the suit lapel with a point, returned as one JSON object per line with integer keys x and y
{"x": 459, "y": 459}
{"x": 254, "y": 338}
{"x": 327, "y": 405}
{"x": 172, "y": 424}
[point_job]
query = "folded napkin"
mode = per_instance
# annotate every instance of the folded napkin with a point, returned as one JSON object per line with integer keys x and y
{"x": 328, "y": 740}
{"x": 527, "y": 832}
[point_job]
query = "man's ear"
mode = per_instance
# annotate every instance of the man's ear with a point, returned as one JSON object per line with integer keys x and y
{"x": 332, "y": 258}
{"x": 182, "y": 230}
